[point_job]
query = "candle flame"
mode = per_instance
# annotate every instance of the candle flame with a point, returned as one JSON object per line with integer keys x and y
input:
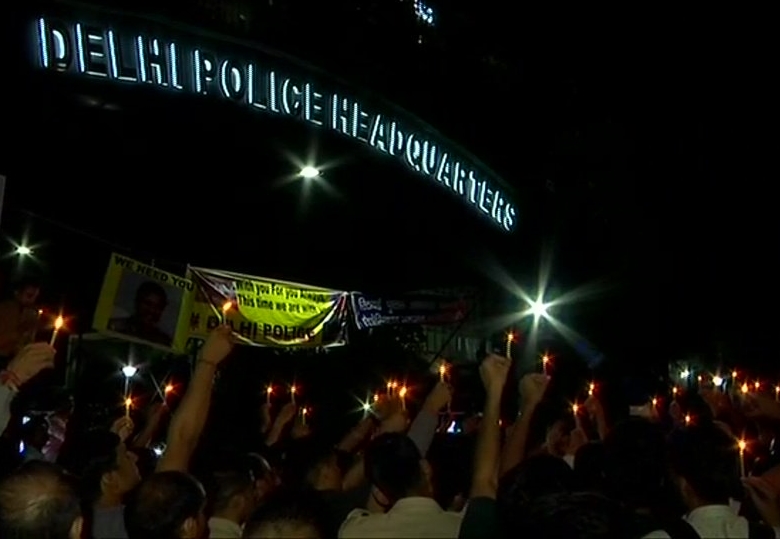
{"x": 575, "y": 408}
{"x": 745, "y": 388}
{"x": 777, "y": 389}
{"x": 227, "y": 306}
{"x": 545, "y": 358}
{"x": 376, "y": 397}
{"x": 293, "y": 389}
{"x": 674, "y": 390}
{"x": 305, "y": 411}
{"x": 128, "y": 402}
{"x": 734, "y": 374}
{"x": 390, "y": 384}
{"x": 655, "y": 401}
{"x": 443, "y": 369}
{"x": 40, "y": 312}
{"x": 687, "y": 419}
{"x": 742, "y": 446}
{"x": 269, "y": 389}
{"x": 758, "y": 385}
{"x": 58, "y": 323}
{"x": 168, "y": 388}
{"x": 510, "y": 337}
{"x": 402, "y": 392}
{"x": 394, "y": 385}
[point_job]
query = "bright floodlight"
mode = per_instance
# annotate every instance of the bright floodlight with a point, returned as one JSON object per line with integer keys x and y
{"x": 366, "y": 407}
{"x": 538, "y": 309}
{"x": 309, "y": 172}
{"x": 717, "y": 381}
{"x": 129, "y": 371}
{"x": 685, "y": 374}
{"x": 23, "y": 250}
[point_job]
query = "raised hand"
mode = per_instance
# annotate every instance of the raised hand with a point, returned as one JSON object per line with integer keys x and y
{"x": 532, "y": 388}
{"x": 123, "y": 427}
{"x": 31, "y": 360}
{"x": 218, "y": 345}
{"x": 493, "y": 371}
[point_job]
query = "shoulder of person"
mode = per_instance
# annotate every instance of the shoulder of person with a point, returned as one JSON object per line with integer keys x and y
{"x": 352, "y": 525}
{"x": 657, "y": 534}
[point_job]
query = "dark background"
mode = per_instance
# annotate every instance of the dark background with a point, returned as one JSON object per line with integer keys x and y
{"x": 638, "y": 143}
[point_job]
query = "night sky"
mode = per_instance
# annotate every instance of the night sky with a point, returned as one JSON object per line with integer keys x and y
{"x": 638, "y": 150}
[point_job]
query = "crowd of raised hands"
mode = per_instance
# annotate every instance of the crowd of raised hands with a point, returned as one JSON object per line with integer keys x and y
{"x": 547, "y": 473}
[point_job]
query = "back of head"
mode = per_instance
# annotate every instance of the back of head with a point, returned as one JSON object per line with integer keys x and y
{"x": 230, "y": 478}
{"x": 635, "y": 467}
{"x": 581, "y": 515}
{"x": 536, "y": 476}
{"x": 288, "y": 514}
{"x": 90, "y": 457}
{"x": 708, "y": 459}
{"x": 393, "y": 466}
{"x": 163, "y": 504}
{"x": 38, "y": 501}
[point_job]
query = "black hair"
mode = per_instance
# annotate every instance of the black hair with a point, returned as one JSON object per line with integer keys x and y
{"x": 230, "y": 478}
{"x": 33, "y": 427}
{"x": 635, "y": 463}
{"x": 161, "y": 504}
{"x": 38, "y": 501}
{"x": 583, "y": 515}
{"x": 392, "y": 464}
{"x": 26, "y": 281}
{"x": 150, "y": 288}
{"x": 92, "y": 456}
{"x": 708, "y": 459}
{"x": 285, "y": 511}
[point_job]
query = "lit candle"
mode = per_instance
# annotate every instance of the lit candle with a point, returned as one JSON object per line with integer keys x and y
{"x": 394, "y": 386}
{"x": 402, "y": 394}
{"x": 742, "y": 446}
{"x": 745, "y": 388}
{"x": 168, "y": 388}
{"x": 376, "y": 397}
{"x": 687, "y": 419}
{"x": 757, "y": 385}
{"x": 225, "y": 308}
{"x": 268, "y": 392}
{"x": 777, "y": 393}
{"x": 674, "y": 392}
{"x": 304, "y": 411}
{"x": 128, "y": 404}
{"x": 389, "y": 388}
{"x": 442, "y": 372}
{"x": 575, "y": 408}
{"x": 509, "y": 338}
{"x": 545, "y": 361}
{"x": 58, "y": 323}
{"x": 293, "y": 390}
{"x": 591, "y": 389}
{"x": 655, "y": 402}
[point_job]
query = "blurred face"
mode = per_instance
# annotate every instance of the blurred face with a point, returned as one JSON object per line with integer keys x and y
{"x": 28, "y": 295}
{"x": 150, "y": 309}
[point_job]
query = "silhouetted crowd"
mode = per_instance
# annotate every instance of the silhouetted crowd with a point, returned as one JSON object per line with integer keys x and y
{"x": 552, "y": 472}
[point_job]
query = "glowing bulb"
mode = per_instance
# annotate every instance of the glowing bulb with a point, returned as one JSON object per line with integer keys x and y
{"x": 366, "y": 407}
{"x": 23, "y": 250}
{"x": 309, "y": 172}
{"x": 129, "y": 371}
{"x": 58, "y": 323}
{"x": 685, "y": 374}
{"x": 717, "y": 380}
{"x": 538, "y": 309}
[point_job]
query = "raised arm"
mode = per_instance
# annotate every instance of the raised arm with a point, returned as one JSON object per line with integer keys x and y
{"x": 532, "y": 388}
{"x": 190, "y": 418}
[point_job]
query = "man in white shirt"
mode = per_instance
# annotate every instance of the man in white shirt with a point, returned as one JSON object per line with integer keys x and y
{"x": 401, "y": 485}
{"x": 705, "y": 469}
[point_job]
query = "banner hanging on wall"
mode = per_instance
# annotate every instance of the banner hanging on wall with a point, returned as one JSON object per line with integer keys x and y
{"x": 267, "y": 312}
{"x": 143, "y": 303}
{"x": 430, "y": 309}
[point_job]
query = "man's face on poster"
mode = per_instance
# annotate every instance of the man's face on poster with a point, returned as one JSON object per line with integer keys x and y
{"x": 150, "y": 309}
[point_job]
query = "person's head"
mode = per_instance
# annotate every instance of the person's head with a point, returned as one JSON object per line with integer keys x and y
{"x": 314, "y": 465}
{"x": 150, "y": 303}
{"x": 231, "y": 491}
{"x": 35, "y": 433}
{"x": 106, "y": 467}
{"x": 396, "y": 469}
{"x": 705, "y": 465}
{"x": 26, "y": 291}
{"x": 589, "y": 466}
{"x": 38, "y": 501}
{"x": 167, "y": 505}
{"x": 583, "y": 515}
{"x": 266, "y": 478}
{"x": 534, "y": 477}
{"x": 635, "y": 467}
{"x": 287, "y": 514}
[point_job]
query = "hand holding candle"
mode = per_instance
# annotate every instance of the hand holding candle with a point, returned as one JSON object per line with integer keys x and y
{"x": 58, "y": 323}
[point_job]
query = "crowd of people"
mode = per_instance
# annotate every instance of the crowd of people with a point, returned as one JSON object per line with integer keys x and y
{"x": 550, "y": 472}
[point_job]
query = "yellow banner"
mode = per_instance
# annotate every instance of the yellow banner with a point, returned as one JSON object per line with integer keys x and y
{"x": 267, "y": 312}
{"x": 143, "y": 303}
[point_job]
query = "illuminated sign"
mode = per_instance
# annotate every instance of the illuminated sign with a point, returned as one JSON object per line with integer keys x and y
{"x": 138, "y": 58}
